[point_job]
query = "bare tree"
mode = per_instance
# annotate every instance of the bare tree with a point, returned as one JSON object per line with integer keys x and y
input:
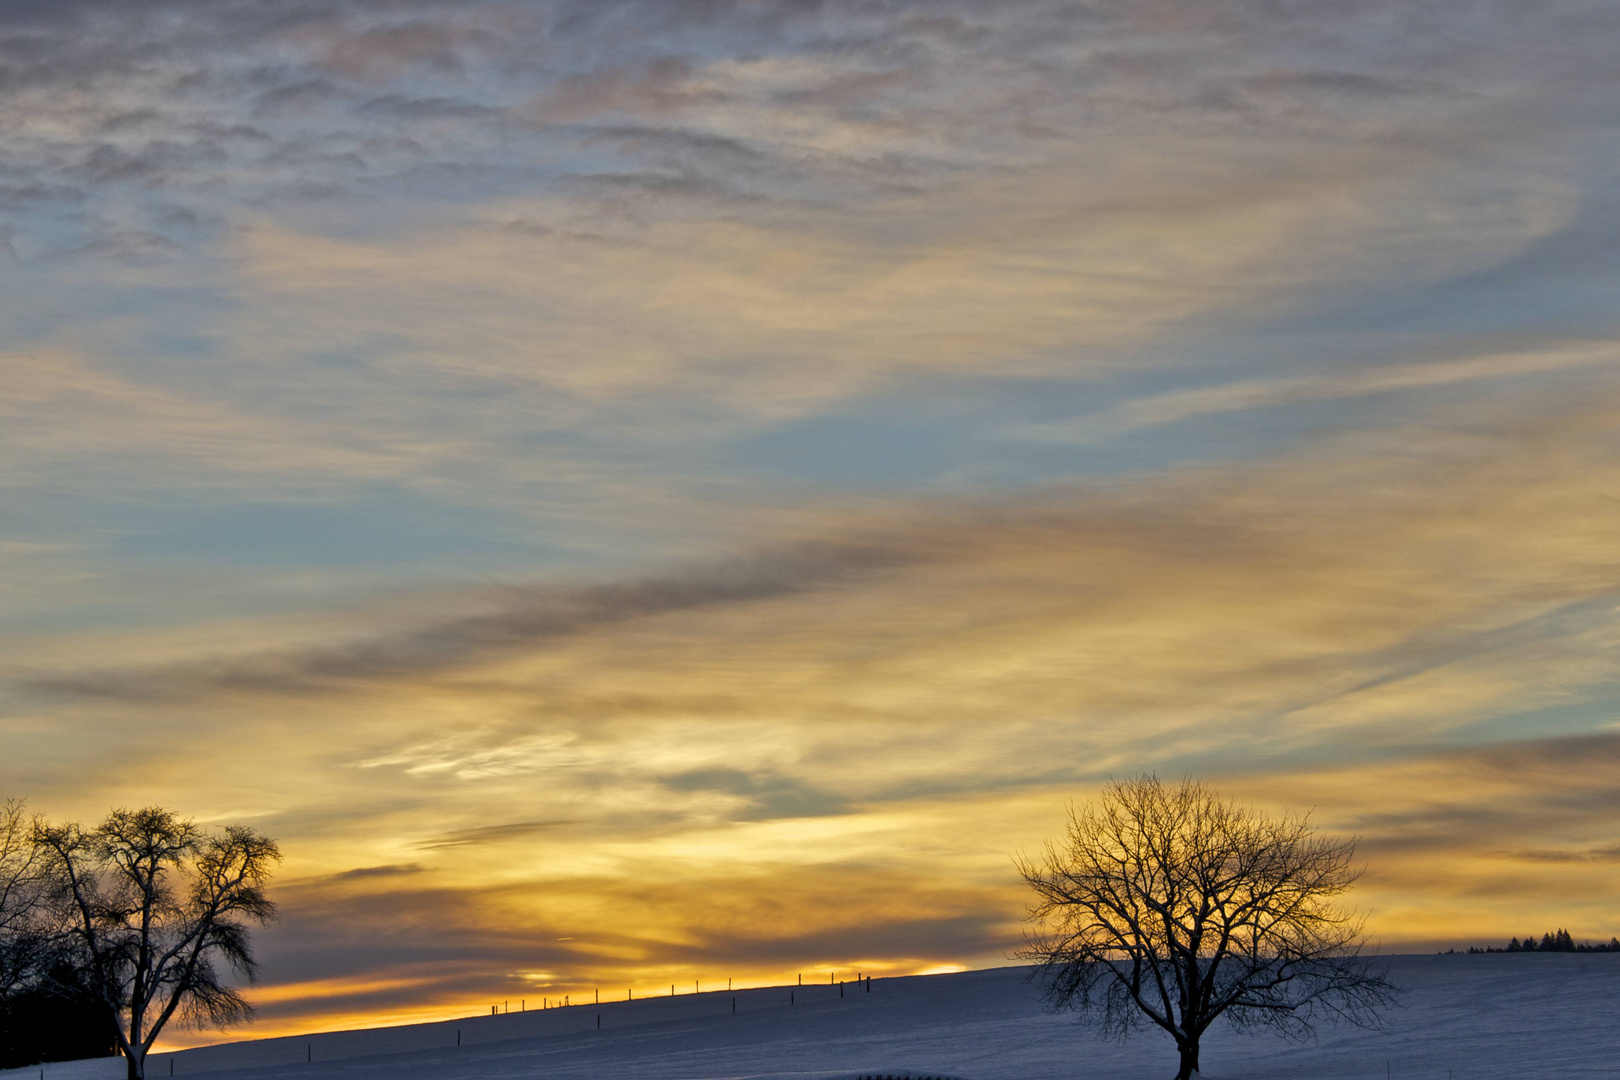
{"x": 24, "y": 935}
{"x": 152, "y": 903}
{"x": 1174, "y": 907}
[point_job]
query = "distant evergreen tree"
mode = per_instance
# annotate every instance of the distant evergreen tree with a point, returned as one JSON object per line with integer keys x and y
{"x": 1560, "y": 940}
{"x": 55, "y": 1020}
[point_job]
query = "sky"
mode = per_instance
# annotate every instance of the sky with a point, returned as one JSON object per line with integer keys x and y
{"x": 631, "y": 494}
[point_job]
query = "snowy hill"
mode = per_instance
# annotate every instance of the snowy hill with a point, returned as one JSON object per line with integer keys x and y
{"x": 1463, "y": 1016}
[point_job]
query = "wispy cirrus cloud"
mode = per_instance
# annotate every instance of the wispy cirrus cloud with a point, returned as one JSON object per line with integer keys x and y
{"x": 1285, "y": 607}
{"x": 658, "y": 485}
{"x": 1255, "y": 394}
{"x": 493, "y": 834}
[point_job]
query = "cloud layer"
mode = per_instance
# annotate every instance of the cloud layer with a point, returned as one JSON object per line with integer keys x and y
{"x": 633, "y": 492}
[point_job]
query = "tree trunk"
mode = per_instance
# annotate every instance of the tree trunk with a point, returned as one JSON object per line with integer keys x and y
{"x": 1189, "y": 1061}
{"x": 134, "y": 1048}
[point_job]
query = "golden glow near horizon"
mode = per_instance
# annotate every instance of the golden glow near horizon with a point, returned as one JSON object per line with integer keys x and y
{"x": 643, "y": 494}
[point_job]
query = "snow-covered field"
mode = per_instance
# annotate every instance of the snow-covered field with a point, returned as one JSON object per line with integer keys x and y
{"x": 1521, "y": 1016}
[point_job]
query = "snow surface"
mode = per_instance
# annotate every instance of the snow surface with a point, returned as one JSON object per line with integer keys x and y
{"x": 1463, "y": 1017}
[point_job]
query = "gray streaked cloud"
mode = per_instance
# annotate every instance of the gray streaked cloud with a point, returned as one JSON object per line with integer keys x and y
{"x": 492, "y": 834}
{"x": 769, "y": 795}
{"x": 655, "y": 88}
{"x": 1183, "y": 405}
{"x": 328, "y": 67}
{"x": 523, "y": 619}
{"x": 368, "y": 873}
{"x": 622, "y": 486}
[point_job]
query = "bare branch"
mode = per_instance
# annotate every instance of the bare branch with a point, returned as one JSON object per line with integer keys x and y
{"x": 1174, "y": 907}
{"x": 155, "y": 903}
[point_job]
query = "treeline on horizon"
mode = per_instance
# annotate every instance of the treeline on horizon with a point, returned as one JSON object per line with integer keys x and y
{"x": 1558, "y": 941}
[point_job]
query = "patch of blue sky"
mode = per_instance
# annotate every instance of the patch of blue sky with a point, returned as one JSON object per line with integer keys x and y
{"x": 380, "y": 530}
{"x": 874, "y": 443}
{"x": 1564, "y": 283}
{"x": 1598, "y": 712}
{"x": 1003, "y": 434}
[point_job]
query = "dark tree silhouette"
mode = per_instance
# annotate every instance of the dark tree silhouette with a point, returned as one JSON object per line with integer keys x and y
{"x": 151, "y": 902}
{"x": 24, "y": 933}
{"x": 54, "y": 1018}
{"x": 1173, "y": 907}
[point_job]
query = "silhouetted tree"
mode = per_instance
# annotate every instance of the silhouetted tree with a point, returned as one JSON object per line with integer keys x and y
{"x": 1173, "y": 907}
{"x": 55, "y": 1017}
{"x": 25, "y": 936}
{"x": 150, "y": 903}
{"x": 25, "y": 939}
{"x": 46, "y": 1013}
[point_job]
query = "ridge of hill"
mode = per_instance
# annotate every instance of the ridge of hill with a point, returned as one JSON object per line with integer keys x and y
{"x": 1480, "y": 1016}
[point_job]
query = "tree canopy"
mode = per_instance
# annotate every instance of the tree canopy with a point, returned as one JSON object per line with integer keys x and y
{"x": 113, "y": 932}
{"x": 1172, "y": 907}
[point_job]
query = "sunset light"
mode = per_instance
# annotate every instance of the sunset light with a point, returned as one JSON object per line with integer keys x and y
{"x": 685, "y": 494}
